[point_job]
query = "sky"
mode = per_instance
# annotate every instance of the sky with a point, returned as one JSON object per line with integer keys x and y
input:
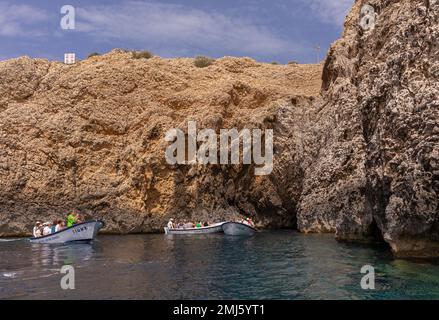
{"x": 277, "y": 30}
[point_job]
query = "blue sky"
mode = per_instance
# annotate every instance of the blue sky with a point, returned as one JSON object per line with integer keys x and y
{"x": 278, "y": 30}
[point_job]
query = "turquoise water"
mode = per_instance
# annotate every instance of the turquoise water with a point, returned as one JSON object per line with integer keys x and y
{"x": 270, "y": 265}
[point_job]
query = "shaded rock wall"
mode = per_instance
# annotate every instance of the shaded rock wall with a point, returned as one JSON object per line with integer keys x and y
{"x": 376, "y": 165}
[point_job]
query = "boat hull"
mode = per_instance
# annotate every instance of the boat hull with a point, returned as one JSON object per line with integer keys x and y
{"x": 85, "y": 231}
{"x": 237, "y": 229}
{"x": 215, "y": 228}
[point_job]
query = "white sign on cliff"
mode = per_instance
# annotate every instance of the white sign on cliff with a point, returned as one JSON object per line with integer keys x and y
{"x": 69, "y": 58}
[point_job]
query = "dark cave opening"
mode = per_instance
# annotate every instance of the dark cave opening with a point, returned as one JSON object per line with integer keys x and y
{"x": 285, "y": 219}
{"x": 375, "y": 232}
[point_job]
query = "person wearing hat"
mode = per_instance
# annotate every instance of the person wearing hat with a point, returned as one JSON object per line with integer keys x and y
{"x": 37, "y": 229}
{"x": 47, "y": 228}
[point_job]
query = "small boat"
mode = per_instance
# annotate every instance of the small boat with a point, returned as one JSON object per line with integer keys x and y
{"x": 84, "y": 231}
{"x": 238, "y": 229}
{"x": 214, "y": 228}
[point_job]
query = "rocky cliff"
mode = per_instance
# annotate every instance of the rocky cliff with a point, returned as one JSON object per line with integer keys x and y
{"x": 375, "y": 168}
{"x": 91, "y": 136}
{"x": 355, "y": 141}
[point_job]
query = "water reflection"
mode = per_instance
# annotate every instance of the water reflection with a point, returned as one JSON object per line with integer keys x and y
{"x": 46, "y": 255}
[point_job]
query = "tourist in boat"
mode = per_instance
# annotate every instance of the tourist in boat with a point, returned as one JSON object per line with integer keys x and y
{"x": 171, "y": 223}
{"x": 249, "y": 222}
{"x": 184, "y": 224}
{"x": 198, "y": 225}
{"x": 60, "y": 225}
{"x": 79, "y": 218}
{"x": 72, "y": 219}
{"x": 205, "y": 224}
{"x": 47, "y": 228}
{"x": 37, "y": 229}
{"x": 38, "y": 233}
{"x": 53, "y": 226}
{"x": 188, "y": 225}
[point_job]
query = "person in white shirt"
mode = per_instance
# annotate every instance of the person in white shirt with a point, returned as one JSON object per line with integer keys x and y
{"x": 36, "y": 231}
{"x": 60, "y": 225}
{"x": 171, "y": 224}
{"x": 248, "y": 222}
{"x": 47, "y": 229}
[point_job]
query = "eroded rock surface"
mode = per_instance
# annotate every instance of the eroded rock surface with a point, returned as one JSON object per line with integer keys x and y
{"x": 356, "y": 154}
{"x": 91, "y": 136}
{"x": 376, "y": 169}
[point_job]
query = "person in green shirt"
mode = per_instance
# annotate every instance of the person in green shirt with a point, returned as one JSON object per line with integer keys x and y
{"x": 71, "y": 219}
{"x": 198, "y": 225}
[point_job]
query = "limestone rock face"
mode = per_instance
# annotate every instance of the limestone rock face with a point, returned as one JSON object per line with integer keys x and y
{"x": 376, "y": 158}
{"x": 91, "y": 136}
{"x": 356, "y": 141}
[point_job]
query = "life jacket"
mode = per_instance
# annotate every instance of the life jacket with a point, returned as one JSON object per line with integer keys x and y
{"x": 71, "y": 220}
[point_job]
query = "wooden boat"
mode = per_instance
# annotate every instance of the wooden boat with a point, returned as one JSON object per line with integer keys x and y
{"x": 84, "y": 231}
{"x": 214, "y": 228}
{"x": 238, "y": 229}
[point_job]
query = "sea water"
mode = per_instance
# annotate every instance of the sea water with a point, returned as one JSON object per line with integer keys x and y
{"x": 269, "y": 265}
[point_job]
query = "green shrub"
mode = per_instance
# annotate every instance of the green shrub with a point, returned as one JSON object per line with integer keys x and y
{"x": 202, "y": 62}
{"x": 142, "y": 54}
{"x": 93, "y": 54}
{"x": 293, "y": 62}
{"x": 275, "y": 63}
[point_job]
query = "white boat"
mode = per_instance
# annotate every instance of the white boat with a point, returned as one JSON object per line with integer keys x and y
{"x": 214, "y": 228}
{"x": 84, "y": 231}
{"x": 238, "y": 229}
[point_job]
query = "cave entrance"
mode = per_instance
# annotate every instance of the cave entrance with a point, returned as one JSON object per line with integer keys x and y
{"x": 375, "y": 232}
{"x": 285, "y": 220}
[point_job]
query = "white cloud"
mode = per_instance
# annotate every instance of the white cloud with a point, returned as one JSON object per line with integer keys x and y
{"x": 330, "y": 11}
{"x": 20, "y": 20}
{"x": 177, "y": 26}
